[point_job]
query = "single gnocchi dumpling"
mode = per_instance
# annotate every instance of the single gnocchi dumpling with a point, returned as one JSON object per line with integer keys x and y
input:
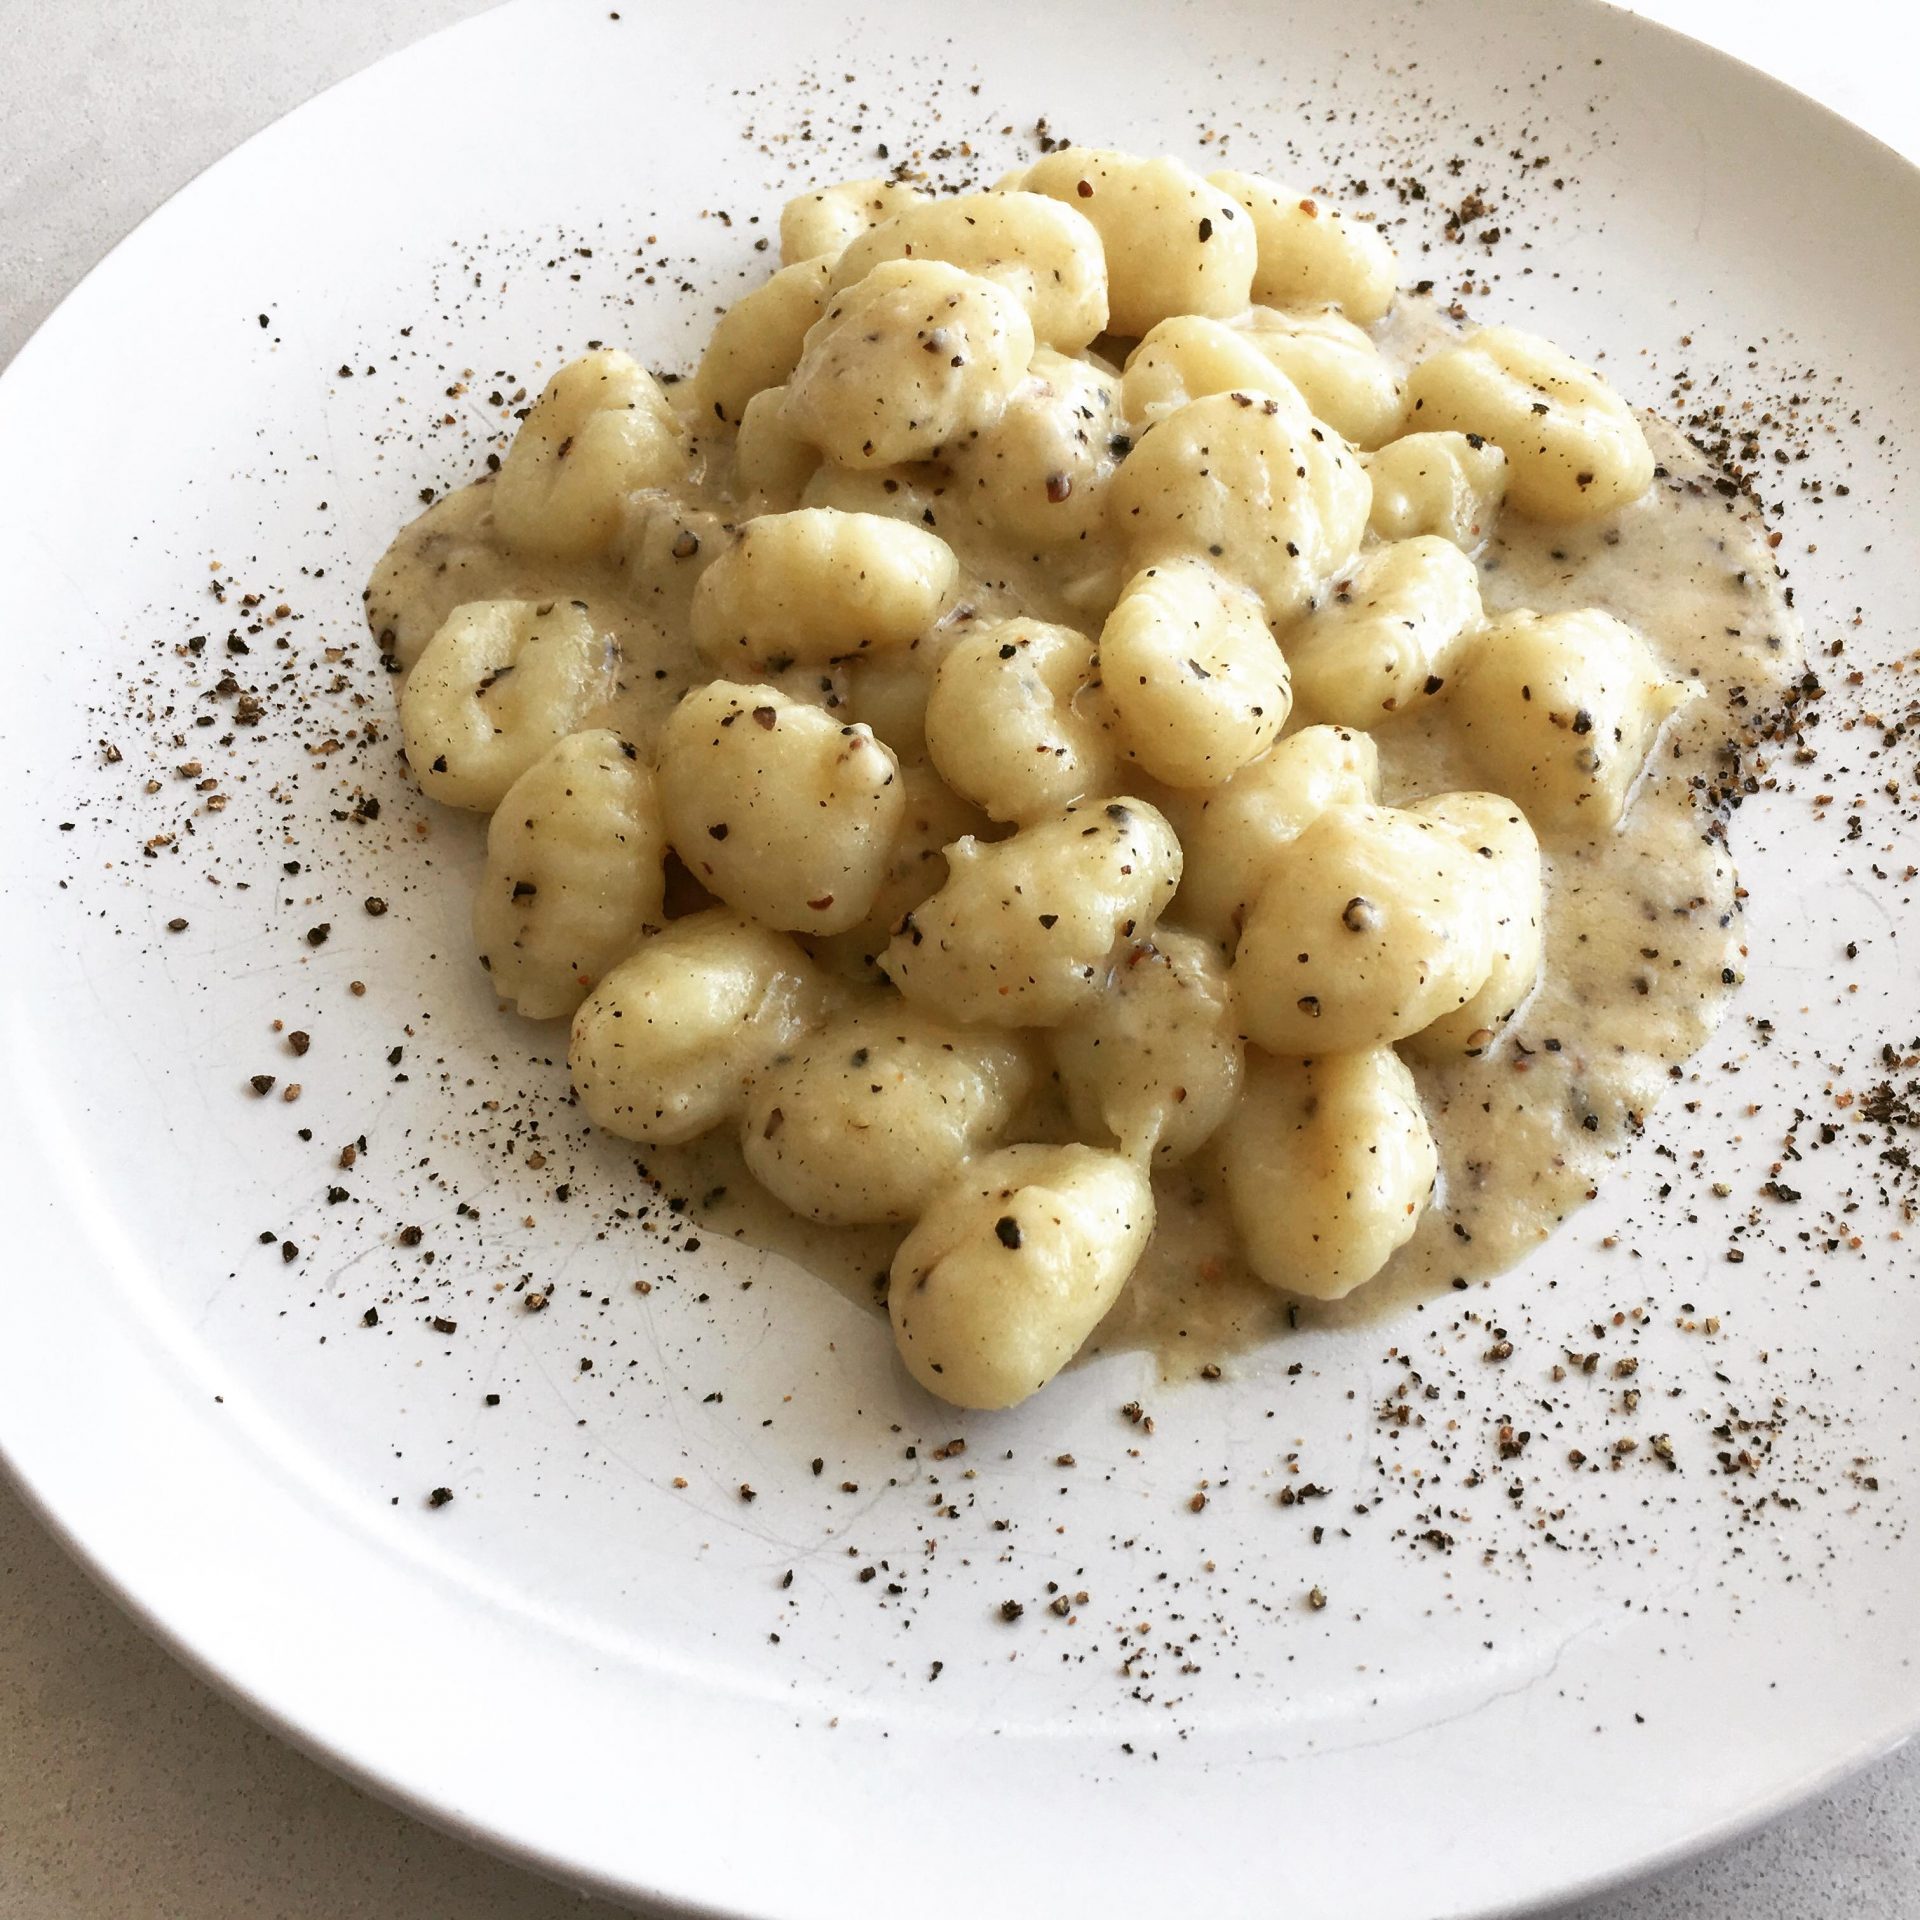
{"x": 756, "y": 342}
{"x": 906, "y": 362}
{"x": 1045, "y": 254}
{"x": 1191, "y": 675}
{"x": 1230, "y": 834}
{"x": 816, "y": 585}
{"x": 448, "y": 557}
{"x": 667, "y": 1046}
{"x": 1174, "y": 244}
{"x": 889, "y": 693}
{"x": 1189, "y": 357}
{"x": 1039, "y": 474}
{"x": 914, "y": 493}
{"x": 497, "y": 685}
{"x": 1329, "y": 1164}
{"x": 1494, "y": 830}
{"x": 932, "y": 818}
{"x": 825, "y": 221}
{"x": 665, "y": 544}
{"x": 1449, "y": 484}
{"x": 1251, "y": 484}
{"x": 574, "y": 876}
{"x": 1025, "y": 930}
{"x": 1560, "y": 710}
{"x": 1311, "y": 254}
{"x": 1388, "y": 636}
{"x": 1343, "y": 377}
{"x": 1155, "y": 1062}
{"x": 1370, "y": 924}
{"x": 1574, "y": 450}
{"x": 867, "y": 1117}
{"x": 601, "y": 428}
{"x": 1011, "y": 721}
{"x": 777, "y": 807}
{"x": 1012, "y": 1266}
{"x": 771, "y": 462}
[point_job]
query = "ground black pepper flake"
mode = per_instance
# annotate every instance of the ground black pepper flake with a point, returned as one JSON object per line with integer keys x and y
{"x": 439, "y": 1496}
{"x": 1011, "y": 1610}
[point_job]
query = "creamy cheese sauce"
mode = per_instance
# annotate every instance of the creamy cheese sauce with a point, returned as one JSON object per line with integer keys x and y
{"x": 1642, "y": 925}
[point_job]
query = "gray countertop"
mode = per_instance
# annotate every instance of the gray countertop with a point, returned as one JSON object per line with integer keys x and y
{"x": 128, "y": 1787}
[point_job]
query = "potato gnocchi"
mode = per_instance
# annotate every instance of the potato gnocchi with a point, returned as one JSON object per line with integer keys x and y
{"x": 1083, "y": 732}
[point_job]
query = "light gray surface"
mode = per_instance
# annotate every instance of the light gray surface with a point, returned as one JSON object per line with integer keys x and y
{"x": 128, "y": 1788}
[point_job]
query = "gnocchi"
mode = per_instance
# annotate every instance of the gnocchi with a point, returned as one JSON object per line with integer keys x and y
{"x": 906, "y": 361}
{"x": 1329, "y": 1163}
{"x": 1494, "y": 830}
{"x": 1574, "y": 450}
{"x": 1388, "y": 635}
{"x": 816, "y": 585}
{"x": 1025, "y": 930}
{"x": 878, "y": 1109}
{"x": 1192, "y": 677}
{"x": 777, "y": 807}
{"x": 771, "y": 462}
{"x": 668, "y": 1045}
{"x": 1012, "y": 1266}
{"x": 1449, "y": 484}
{"x": 1174, "y": 242}
{"x": 1190, "y": 357}
{"x": 1230, "y": 834}
{"x": 1309, "y": 255}
{"x": 498, "y": 685}
{"x": 1156, "y": 1061}
{"x": 1369, "y": 925}
{"x": 932, "y": 818}
{"x": 1044, "y": 253}
{"x": 758, "y": 339}
{"x": 1560, "y": 711}
{"x": 1038, "y": 476}
{"x": 1010, "y": 720}
{"x": 827, "y": 221}
{"x": 574, "y": 878}
{"x": 1012, "y": 749}
{"x": 601, "y": 428}
{"x": 1335, "y": 368}
{"x": 1251, "y": 483}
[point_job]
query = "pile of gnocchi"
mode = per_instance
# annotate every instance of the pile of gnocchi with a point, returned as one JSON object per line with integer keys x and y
{"x": 938, "y": 741}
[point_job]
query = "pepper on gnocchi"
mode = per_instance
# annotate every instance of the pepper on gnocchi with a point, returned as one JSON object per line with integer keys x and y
{"x": 1092, "y": 747}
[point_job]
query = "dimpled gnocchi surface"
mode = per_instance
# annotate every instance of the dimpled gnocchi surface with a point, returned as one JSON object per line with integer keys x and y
{"x": 1097, "y": 756}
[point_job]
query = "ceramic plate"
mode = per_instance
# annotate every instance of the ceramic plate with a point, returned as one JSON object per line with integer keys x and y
{"x": 233, "y": 1374}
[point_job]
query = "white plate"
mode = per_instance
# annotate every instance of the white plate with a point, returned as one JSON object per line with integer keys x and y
{"x": 575, "y": 1659}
